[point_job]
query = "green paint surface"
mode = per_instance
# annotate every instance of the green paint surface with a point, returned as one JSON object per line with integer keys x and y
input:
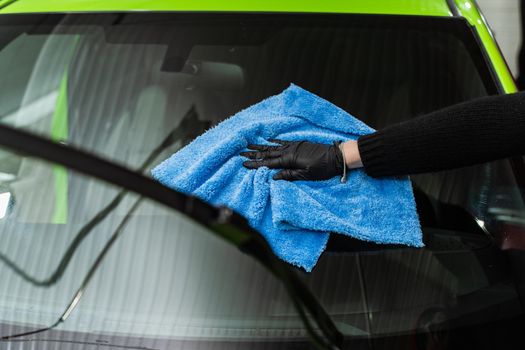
{"x": 469, "y": 10}
{"x": 408, "y": 7}
{"x": 5, "y": 3}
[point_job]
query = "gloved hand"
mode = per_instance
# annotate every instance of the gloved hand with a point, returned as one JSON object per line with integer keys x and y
{"x": 300, "y": 160}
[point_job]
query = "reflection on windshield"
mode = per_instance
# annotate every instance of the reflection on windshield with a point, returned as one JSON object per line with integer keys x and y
{"x": 5, "y": 201}
{"x": 162, "y": 269}
{"x": 135, "y": 87}
{"x": 99, "y": 217}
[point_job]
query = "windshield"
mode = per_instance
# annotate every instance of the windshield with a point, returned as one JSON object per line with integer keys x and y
{"x": 118, "y": 84}
{"x": 165, "y": 277}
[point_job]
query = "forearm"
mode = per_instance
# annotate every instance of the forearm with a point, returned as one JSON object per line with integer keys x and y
{"x": 464, "y": 134}
{"x": 352, "y": 155}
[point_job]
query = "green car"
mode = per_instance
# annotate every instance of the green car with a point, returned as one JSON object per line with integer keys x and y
{"x": 97, "y": 255}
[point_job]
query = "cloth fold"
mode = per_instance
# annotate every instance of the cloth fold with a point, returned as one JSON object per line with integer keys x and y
{"x": 297, "y": 217}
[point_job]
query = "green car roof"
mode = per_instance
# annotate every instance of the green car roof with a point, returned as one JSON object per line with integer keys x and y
{"x": 408, "y": 7}
{"x": 465, "y": 8}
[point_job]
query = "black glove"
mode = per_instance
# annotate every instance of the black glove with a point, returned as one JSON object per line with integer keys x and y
{"x": 300, "y": 160}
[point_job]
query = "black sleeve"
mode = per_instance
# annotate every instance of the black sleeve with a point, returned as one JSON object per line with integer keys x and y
{"x": 468, "y": 133}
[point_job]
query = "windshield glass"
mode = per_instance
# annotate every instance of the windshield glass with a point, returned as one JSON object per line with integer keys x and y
{"x": 118, "y": 84}
{"x": 165, "y": 279}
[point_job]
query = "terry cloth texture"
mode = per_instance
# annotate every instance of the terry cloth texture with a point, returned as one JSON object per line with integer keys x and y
{"x": 295, "y": 217}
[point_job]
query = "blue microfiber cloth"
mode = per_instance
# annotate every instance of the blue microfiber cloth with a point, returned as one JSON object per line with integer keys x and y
{"x": 295, "y": 217}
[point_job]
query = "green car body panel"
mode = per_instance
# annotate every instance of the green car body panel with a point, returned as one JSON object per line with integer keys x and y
{"x": 469, "y": 10}
{"x": 408, "y": 7}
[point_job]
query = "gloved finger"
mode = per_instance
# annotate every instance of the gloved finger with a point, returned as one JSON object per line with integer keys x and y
{"x": 262, "y": 147}
{"x": 251, "y": 155}
{"x": 281, "y": 142}
{"x": 261, "y": 155}
{"x": 270, "y": 163}
{"x": 290, "y": 174}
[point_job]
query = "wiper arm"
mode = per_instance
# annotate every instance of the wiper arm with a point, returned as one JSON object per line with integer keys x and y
{"x": 222, "y": 221}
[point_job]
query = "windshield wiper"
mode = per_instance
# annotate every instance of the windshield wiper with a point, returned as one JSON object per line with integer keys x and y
{"x": 222, "y": 221}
